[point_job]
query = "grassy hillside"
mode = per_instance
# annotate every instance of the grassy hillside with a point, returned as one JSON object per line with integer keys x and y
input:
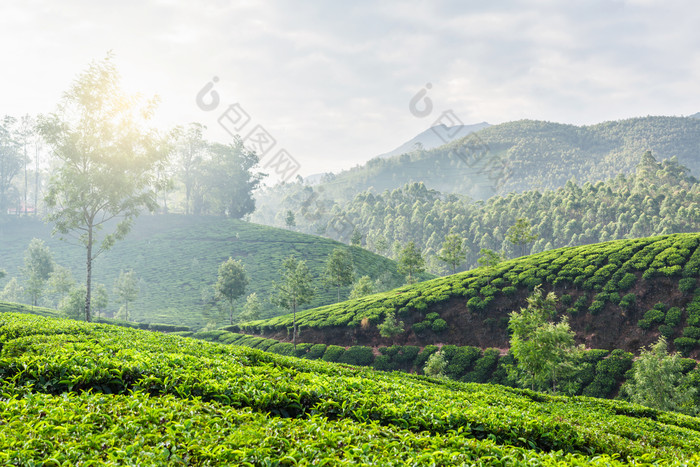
{"x": 619, "y": 295}
{"x": 175, "y": 256}
{"x": 123, "y": 396}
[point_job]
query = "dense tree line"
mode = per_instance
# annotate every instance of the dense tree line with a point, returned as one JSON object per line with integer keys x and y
{"x": 658, "y": 198}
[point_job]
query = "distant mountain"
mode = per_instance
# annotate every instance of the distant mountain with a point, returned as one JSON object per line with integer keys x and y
{"x": 434, "y": 137}
{"x": 697, "y": 115}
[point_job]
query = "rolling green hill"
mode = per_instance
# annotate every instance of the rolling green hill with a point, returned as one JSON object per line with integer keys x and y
{"x": 122, "y": 396}
{"x": 176, "y": 256}
{"x": 618, "y": 295}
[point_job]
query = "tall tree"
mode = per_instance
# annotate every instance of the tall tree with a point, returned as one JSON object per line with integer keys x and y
{"x": 230, "y": 180}
{"x": 252, "y": 308}
{"x": 545, "y": 351}
{"x": 452, "y": 253}
{"x": 339, "y": 270}
{"x": 295, "y": 289}
{"x": 411, "y": 262}
{"x": 190, "y": 149}
{"x": 60, "y": 283}
{"x": 520, "y": 235}
{"x": 658, "y": 381}
{"x": 289, "y": 220}
{"x": 231, "y": 283}
{"x": 10, "y": 160}
{"x": 38, "y": 266}
{"x": 363, "y": 286}
{"x": 107, "y": 158}
{"x": 126, "y": 288}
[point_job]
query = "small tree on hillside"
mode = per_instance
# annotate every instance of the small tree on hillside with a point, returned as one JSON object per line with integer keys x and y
{"x": 294, "y": 290}
{"x": 12, "y": 292}
{"x": 356, "y": 238}
{"x": 126, "y": 288}
{"x": 520, "y": 235}
{"x": 658, "y": 381}
{"x": 411, "y": 262}
{"x": 107, "y": 162}
{"x": 390, "y": 327}
{"x": 363, "y": 286}
{"x": 252, "y": 308}
{"x": 452, "y": 253}
{"x": 38, "y": 266}
{"x": 60, "y": 282}
{"x": 232, "y": 282}
{"x": 436, "y": 365}
{"x": 101, "y": 299}
{"x": 289, "y": 220}
{"x": 339, "y": 270}
{"x": 545, "y": 351}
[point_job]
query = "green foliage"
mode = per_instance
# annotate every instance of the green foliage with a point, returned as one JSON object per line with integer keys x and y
{"x": 436, "y": 365}
{"x": 658, "y": 381}
{"x": 316, "y": 351}
{"x": 339, "y": 271}
{"x": 358, "y": 355}
{"x": 673, "y": 316}
{"x": 609, "y": 372}
{"x": 294, "y": 289}
{"x": 452, "y": 252}
{"x": 687, "y": 285}
{"x": 439, "y": 325}
{"x": 333, "y": 353}
{"x": 108, "y": 161}
{"x": 126, "y": 288}
{"x": 390, "y": 327}
{"x": 520, "y": 235}
{"x": 411, "y": 262}
{"x": 545, "y": 351}
{"x": 232, "y": 282}
{"x": 38, "y": 266}
{"x": 363, "y": 286}
{"x": 628, "y": 300}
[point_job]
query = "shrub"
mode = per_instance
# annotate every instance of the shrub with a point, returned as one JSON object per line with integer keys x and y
{"x": 475, "y": 304}
{"x": 673, "y": 316}
{"x": 423, "y": 356}
{"x": 333, "y": 353}
{"x": 655, "y": 316}
{"x": 484, "y": 367}
{"x": 687, "y": 285}
{"x": 432, "y": 316}
{"x": 685, "y": 345}
{"x": 609, "y": 373}
{"x": 419, "y": 328}
{"x": 383, "y": 363}
{"x": 615, "y": 298}
{"x": 439, "y": 325}
{"x": 691, "y": 331}
{"x": 282, "y": 348}
{"x": 358, "y": 355}
{"x": 510, "y": 290}
{"x": 566, "y": 299}
{"x": 302, "y": 349}
{"x": 666, "y": 330}
{"x": 627, "y": 281}
{"x": 628, "y": 300}
{"x": 596, "y": 307}
{"x": 461, "y": 361}
{"x": 405, "y": 355}
{"x": 649, "y": 274}
{"x": 316, "y": 352}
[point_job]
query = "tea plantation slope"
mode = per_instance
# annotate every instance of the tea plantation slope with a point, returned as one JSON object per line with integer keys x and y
{"x": 619, "y": 294}
{"x": 122, "y": 396}
{"x": 175, "y": 256}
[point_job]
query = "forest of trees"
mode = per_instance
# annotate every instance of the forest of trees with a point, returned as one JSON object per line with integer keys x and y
{"x": 658, "y": 198}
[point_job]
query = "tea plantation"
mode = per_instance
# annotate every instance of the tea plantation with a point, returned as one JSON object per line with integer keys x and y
{"x": 619, "y": 294}
{"x": 72, "y": 392}
{"x": 175, "y": 256}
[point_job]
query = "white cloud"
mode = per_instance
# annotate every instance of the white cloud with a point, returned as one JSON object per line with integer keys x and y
{"x": 331, "y": 81}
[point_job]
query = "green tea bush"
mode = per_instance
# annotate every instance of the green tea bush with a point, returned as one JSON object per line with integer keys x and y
{"x": 423, "y": 356}
{"x": 685, "y": 345}
{"x": 316, "y": 351}
{"x": 439, "y": 325}
{"x": 673, "y": 316}
{"x": 357, "y": 355}
{"x": 666, "y": 331}
{"x": 483, "y": 368}
{"x": 628, "y": 300}
{"x": 687, "y": 285}
{"x": 609, "y": 373}
{"x": 333, "y": 353}
{"x": 627, "y": 281}
{"x": 460, "y": 360}
{"x": 692, "y": 332}
{"x": 282, "y": 348}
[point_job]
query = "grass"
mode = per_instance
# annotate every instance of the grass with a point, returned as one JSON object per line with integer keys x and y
{"x": 115, "y": 395}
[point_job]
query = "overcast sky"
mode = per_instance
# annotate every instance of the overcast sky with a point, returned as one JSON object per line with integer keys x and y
{"x": 331, "y": 82}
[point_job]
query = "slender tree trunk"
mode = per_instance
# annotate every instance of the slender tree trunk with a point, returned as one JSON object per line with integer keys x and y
{"x": 338, "y": 292}
{"x": 25, "y": 178}
{"x": 89, "y": 275}
{"x": 294, "y": 326}
{"x": 36, "y": 183}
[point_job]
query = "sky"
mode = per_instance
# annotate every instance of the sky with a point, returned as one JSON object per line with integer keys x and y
{"x": 331, "y": 83}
